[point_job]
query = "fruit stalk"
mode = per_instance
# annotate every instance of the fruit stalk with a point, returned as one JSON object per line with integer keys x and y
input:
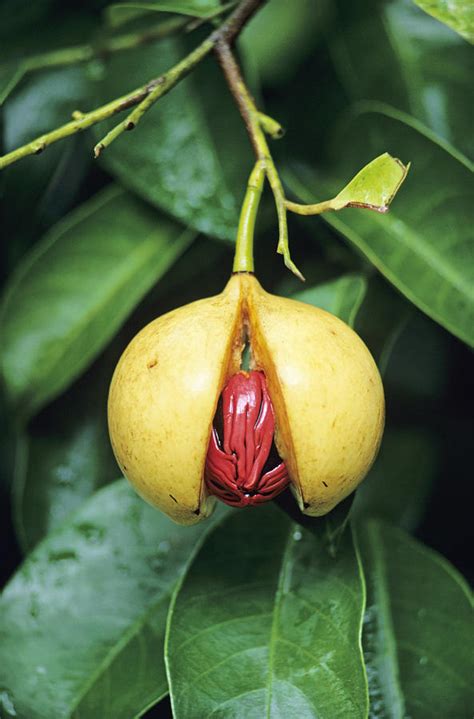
{"x": 243, "y": 257}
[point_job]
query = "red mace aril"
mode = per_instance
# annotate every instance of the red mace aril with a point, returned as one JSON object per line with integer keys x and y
{"x": 242, "y": 465}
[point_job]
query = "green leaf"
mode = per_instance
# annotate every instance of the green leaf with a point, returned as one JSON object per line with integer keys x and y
{"x": 120, "y": 13}
{"x": 40, "y": 38}
{"x": 275, "y": 57}
{"x": 422, "y": 66}
{"x": 73, "y": 291}
{"x": 418, "y": 619}
{"x": 381, "y": 319}
{"x": 89, "y": 606}
{"x": 267, "y": 624}
{"x": 66, "y": 456}
{"x": 10, "y": 77}
{"x": 459, "y": 15}
{"x": 63, "y": 457}
{"x": 180, "y": 159}
{"x": 397, "y": 487}
{"x": 423, "y": 245}
{"x": 342, "y": 297}
{"x": 40, "y": 104}
{"x": 373, "y": 188}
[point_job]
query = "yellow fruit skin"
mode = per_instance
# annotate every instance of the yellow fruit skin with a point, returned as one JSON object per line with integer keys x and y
{"x": 325, "y": 388}
{"x": 163, "y": 398}
{"x": 327, "y": 394}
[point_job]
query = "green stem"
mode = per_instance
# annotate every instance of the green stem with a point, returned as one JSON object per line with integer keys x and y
{"x": 77, "y": 54}
{"x": 243, "y": 258}
{"x": 256, "y": 125}
{"x": 162, "y": 86}
{"x": 147, "y": 94}
{"x": 315, "y": 209}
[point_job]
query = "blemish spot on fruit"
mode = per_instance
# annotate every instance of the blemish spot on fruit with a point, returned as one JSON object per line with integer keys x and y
{"x": 324, "y": 483}
{"x": 152, "y": 363}
{"x": 174, "y": 499}
{"x": 306, "y": 505}
{"x": 197, "y": 511}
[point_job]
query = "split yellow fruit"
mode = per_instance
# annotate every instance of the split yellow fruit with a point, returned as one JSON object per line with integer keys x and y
{"x": 324, "y": 386}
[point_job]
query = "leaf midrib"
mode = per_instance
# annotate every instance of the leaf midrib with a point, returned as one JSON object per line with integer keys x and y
{"x": 141, "y": 256}
{"x": 276, "y": 618}
{"x": 140, "y": 621}
{"x": 384, "y": 624}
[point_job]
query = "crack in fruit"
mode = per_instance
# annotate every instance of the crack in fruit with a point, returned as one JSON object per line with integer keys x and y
{"x": 242, "y": 465}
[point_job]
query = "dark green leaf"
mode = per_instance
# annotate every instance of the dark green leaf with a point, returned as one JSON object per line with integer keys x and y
{"x": 82, "y": 621}
{"x": 420, "y": 367}
{"x": 26, "y": 13}
{"x": 397, "y": 487}
{"x": 417, "y": 628}
{"x": 423, "y": 246}
{"x": 274, "y": 57}
{"x": 20, "y": 53}
{"x": 66, "y": 454}
{"x": 122, "y": 12}
{"x": 267, "y": 624}
{"x": 459, "y": 14}
{"x": 422, "y": 67}
{"x": 63, "y": 457}
{"x": 74, "y": 290}
{"x": 189, "y": 155}
{"x": 328, "y": 529}
{"x": 381, "y": 318}
{"x": 341, "y": 297}
{"x": 40, "y": 104}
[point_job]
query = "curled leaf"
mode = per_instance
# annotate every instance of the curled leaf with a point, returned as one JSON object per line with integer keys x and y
{"x": 373, "y": 188}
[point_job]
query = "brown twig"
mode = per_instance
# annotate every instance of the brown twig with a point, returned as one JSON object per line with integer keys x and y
{"x": 255, "y": 124}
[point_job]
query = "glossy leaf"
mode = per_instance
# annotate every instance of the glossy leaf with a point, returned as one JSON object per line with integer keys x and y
{"x": 459, "y": 15}
{"x": 39, "y": 104}
{"x": 423, "y": 245}
{"x": 422, "y": 67}
{"x": 267, "y": 624}
{"x": 66, "y": 455}
{"x": 418, "y": 618}
{"x": 88, "y": 607}
{"x": 180, "y": 157}
{"x": 63, "y": 457}
{"x": 341, "y": 297}
{"x": 122, "y": 12}
{"x": 74, "y": 290}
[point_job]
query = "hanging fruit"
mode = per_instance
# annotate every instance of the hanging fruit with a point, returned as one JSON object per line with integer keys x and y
{"x": 318, "y": 382}
{"x": 188, "y": 425}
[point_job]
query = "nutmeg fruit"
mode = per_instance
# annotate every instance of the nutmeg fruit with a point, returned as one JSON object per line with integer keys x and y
{"x": 326, "y": 398}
